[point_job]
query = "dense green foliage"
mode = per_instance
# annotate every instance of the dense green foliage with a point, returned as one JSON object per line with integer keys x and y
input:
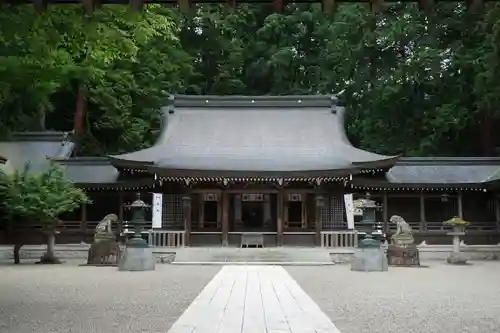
{"x": 39, "y": 198}
{"x": 416, "y": 84}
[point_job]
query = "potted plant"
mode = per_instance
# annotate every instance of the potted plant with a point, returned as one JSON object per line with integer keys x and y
{"x": 458, "y": 224}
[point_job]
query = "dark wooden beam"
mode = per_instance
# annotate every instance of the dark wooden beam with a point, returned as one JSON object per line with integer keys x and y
{"x": 40, "y": 5}
{"x": 89, "y": 6}
{"x": 225, "y": 218}
{"x": 83, "y": 226}
{"x": 427, "y": 6}
{"x": 279, "y": 5}
{"x": 376, "y": 6}
{"x": 475, "y": 6}
{"x": 186, "y": 207}
{"x": 329, "y": 6}
{"x": 318, "y": 225}
{"x": 280, "y": 218}
{"x": 120, "y": 213}
{"x": 136, "y": 5}
{"x": 184, "y": 5}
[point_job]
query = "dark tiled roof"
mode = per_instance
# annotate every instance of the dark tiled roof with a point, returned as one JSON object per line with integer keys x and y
{"x": 34, "y": 148}
{"x": 89, "y": 170}
{"x": 468, "y": 172}
{"x": 248, "y": 135}
{"x": 96, "y": 172}
{"x": 464, "y": 170}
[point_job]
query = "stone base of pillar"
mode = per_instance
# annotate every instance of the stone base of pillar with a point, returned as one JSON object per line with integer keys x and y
{"x": 456, "y": 258}
{"x": 369, "y": 260}
{"x": 137, "y": 259}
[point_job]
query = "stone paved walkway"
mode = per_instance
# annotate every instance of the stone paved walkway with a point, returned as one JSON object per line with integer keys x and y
{"x": 253, "y": 299}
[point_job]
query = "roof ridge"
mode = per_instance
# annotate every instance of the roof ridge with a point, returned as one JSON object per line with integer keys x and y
{"x": 83, "y": 160}
{"x": 40, "y": 136}
{"x": 469, "y": 160}
{"x": 210, "y": 101}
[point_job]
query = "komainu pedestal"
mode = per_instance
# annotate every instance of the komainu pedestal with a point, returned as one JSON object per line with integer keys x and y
{"x": 403, "y": 256}
{"x": 105, "y": 250}
{"x": 402, "y": 251}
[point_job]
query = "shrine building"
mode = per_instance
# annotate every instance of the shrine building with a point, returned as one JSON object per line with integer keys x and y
{"x": 277, "y": 166}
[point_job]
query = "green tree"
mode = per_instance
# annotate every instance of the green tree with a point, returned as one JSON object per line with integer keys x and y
{"x": 39, "y": 199}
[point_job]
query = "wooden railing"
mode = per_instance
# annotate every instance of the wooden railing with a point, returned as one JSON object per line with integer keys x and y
{"x": 339, "y": 239}
{"x": 166, "y": 238}
{"x": 480, "y": 226}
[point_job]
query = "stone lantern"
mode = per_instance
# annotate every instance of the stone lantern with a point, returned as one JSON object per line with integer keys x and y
{"x": 369, "y": 256}
{"x": 137, "y": 255}
{"x": 369, "y": 220}
{"x": 138, "y": 208}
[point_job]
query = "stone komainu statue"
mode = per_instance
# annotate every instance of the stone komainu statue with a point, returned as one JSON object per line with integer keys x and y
{"x": 404, "y": 234}
{"x": 105, "y": 249}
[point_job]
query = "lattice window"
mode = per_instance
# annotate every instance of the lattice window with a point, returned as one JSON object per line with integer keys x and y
{"x": 338, "y": 211}
{"x": 172, "y": 214}
{"x": 333, "y": 213}
{"x": 326, "y": 214}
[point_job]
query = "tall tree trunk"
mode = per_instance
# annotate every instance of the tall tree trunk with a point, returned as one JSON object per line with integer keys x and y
{"x": 49, "y": 256}
{"x": 79, "y": 114}
{"x": 17, "y": 256}
{"x": 43, "y": 117}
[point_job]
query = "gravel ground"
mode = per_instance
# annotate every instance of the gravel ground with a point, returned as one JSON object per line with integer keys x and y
{"x": 440, "y": 298}
{"x": 67, "y": 298}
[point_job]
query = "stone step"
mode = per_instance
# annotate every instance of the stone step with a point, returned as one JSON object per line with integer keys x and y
{"x": 261, "y": 255}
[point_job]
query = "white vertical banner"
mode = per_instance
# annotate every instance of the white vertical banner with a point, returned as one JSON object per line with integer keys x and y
{"x": 157, "y": 209}
{"x": 349, "y": 210}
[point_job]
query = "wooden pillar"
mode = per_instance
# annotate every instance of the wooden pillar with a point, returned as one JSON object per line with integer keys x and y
{"x": 184, "y": 5}
{"x": 201, "y": 210}
{"x": 84, "y": 220}
{"x": 225, "y": 218}
{"x": 497, "y": 211}
{"x": 427, "y": 6}
{"x": 40, "y": 5}
{"x": 328, "y": 6}
{"x": 136, "y": 5}
{"x": 186, "y": 212}
{"x": 89, "y": 6}
{"x": 279, "y": 5}
{"x": 267, "y": 211}
{"x": 423, "y": 223}
{"x": 385, "y": 212}
{"x": 376, "y": 5}
{"x": 237, "y": 212}
{"x": 120, "y": 212}
{"x": 460, "y": 210}
{"x": 475, "y": 6}
{"x": 279, "y": 219}
{"x": 320, "y": 202}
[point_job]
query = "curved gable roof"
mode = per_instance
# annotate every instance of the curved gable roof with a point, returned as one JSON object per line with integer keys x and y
{"x": 249, "y": 135}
